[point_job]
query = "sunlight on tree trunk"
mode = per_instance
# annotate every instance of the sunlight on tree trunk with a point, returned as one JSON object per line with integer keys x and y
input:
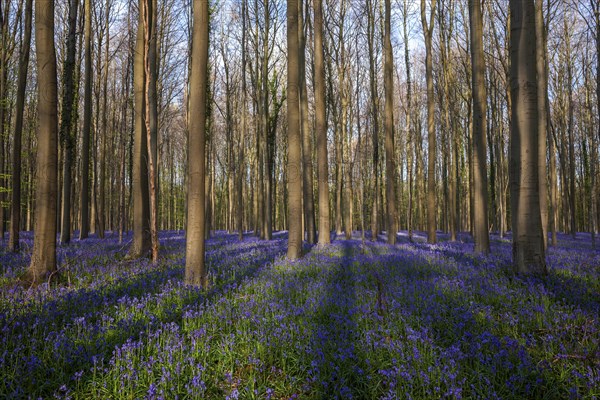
{"x": 43, "y": 257}
{"x": 195, "y": 270}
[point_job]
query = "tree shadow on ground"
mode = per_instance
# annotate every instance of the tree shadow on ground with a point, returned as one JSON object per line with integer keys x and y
{"x": 84, "y": 349}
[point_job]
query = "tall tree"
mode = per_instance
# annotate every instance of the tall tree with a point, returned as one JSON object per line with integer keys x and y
{"x": 375, "y": 118}
{"x": 148, "y": 8}
{"x": 294, "y": 138}
{"x": 15, "y": 216}
{"x": 195, "y": 270}
{"x": 43, "y": 257}
{"x": 528, "y": 245}
{"x": 321, "y": 125}
{"x": 243, "y": 132}
{"x": 542, "y": 81}
{"x": 431, "y": 138}
{"x": 409, "y": 128}
{"x": 67, "y": 123}
{"x": 480, "y": 195}
{"x": 307, "y": 175}
{"x": 389, "y": 129}
{"x": 140, "y": 190}
{"x": 87, "y": 126}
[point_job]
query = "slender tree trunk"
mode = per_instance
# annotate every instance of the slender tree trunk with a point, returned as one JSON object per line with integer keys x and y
{"x": 84, "y": 202}
{"x": 375, "y": 117}
{"x": 542, "y": 81}
{"x": 195, "y": 271}
{"x": 480, "y": 212}
{"x": 431, "y": 136}
{"x": 321, "y": 126}
{"x": 294, "y": 140}
{"x": 410, "y": 138}
{"x": 15, "y": 221}
{"x": 528, "y": 245}
{"x": 141, "y": 202}
{"x": 389, "y": 130}
{"x": 67, "y": 122}
{"x": 43, "y": 257}
{"x": 243, "y": 133}
{"x": 309, "y": 205}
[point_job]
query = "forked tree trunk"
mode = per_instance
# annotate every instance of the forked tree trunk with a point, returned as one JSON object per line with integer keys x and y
{"x": 195, "y": 271}
{"x": 480, "y": 196}
{"x": 43, "y": 257}
{"x": 15, "y": 216}
{"x": 528, "y": 245}
{"x": 294, "y": 168}
{"x": 321, "y": 126}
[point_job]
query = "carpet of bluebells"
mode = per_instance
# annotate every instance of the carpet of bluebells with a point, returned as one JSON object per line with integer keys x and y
{"x": 353, "y": 320}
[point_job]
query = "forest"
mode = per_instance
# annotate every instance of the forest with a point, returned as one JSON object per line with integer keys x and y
{"x": 299, "y": 199}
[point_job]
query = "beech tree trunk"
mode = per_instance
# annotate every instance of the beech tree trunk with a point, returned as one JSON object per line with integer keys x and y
{"x": 431, "y": 137}
{"x": 195, "y": 271}
{"x": 294, "y": 166}
{"x": 480, "y": 195}
{"x": 43, "y": 257}
{"x": 389, "y": 130}
{"x": 321, "y": 126}
{"x": 84, "y": 202}
{"x": 68, "y": 122}
{"x": 15, "y": 216}
{"x": 308, "y": 201}
{"x": 140, "y": 193}
{"x": 528, "y": 245}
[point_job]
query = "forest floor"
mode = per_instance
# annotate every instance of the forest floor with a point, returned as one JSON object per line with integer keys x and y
{"x": 351, "y": 320}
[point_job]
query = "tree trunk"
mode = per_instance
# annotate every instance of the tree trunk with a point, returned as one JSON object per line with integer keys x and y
{"x": 431, "y": 137}
{"x": 542, "y": 73}
{"x": 15, "y": 221}
{"x": 195, "y": 271}
{"x": 480, "y": 212}
{"x": 528, "y": 245}
{"x": 321, "y": 126}
{"x": 410, "y": 139}
{"x": 389, "y": 130}
{"x": 67, "y": 122}
{"x": 294, "y": 140}
{"x": 43, "y": 257}
{"x": 375, "y": 117}
{"x": 84, "y": 202}
{"x": 309, "y": 205}
{"x": 141, "y": 201}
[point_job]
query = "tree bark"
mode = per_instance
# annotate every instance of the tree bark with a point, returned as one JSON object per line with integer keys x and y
{"x": 67, "y": 122}
{"x": 15, "y": 219}
{"x": 43, "y": 257}
{"x": 321, "y": 126}
{"x": 141, "y": 202}
{"x": 431, "y": 137}
{"x": 542, "y": 81}
{"x": 294, "y": 138}
{"x": 528, "y": 246}
{"x": 375, "y": 117}
{"x": 195, "y": 271}
{"x": 309, "y": 205}
{"x": 87, "y": 126}
{"x": 389, "y": 130}
{"x": 480, "y": 212}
